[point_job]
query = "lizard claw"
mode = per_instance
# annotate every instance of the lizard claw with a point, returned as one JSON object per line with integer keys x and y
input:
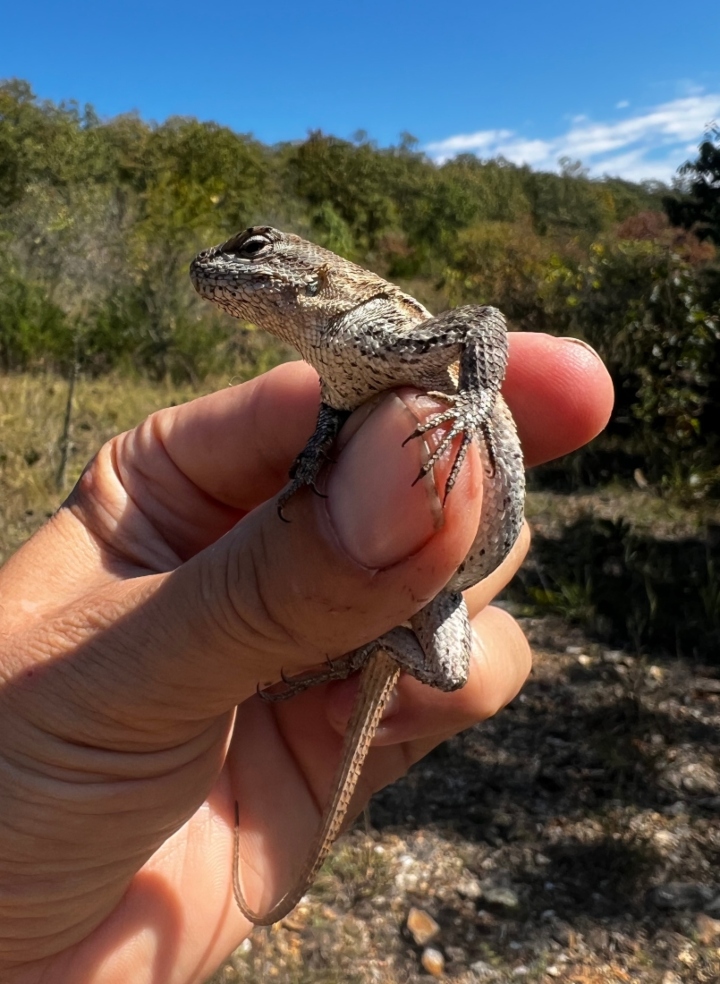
{"x": 317, "y": 491}
{"x": 467, "y": 416}
{"x": 295, "y": 486}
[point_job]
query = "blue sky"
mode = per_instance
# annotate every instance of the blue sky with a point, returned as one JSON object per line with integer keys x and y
{"x": 626, "y": 87}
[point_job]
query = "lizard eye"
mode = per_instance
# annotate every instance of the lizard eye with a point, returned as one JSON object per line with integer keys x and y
{"x": 313, "y": 288}
{"x": 246, "y": 246}
{"x": 251, "y": 247}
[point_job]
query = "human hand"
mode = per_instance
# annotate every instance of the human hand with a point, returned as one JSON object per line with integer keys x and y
{"x": 160, "y": 595}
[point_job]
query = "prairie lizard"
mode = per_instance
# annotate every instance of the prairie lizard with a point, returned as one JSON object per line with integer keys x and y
{"x": 363, "y": 335}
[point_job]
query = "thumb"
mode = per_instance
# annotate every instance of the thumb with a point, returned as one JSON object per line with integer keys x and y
{"x": 272, "y": 597}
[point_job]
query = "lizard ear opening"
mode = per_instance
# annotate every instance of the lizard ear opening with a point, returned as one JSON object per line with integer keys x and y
{"x": 318, "y": 283}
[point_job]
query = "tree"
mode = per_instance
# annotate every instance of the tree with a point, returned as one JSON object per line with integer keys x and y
{"x": 698, "y": 208}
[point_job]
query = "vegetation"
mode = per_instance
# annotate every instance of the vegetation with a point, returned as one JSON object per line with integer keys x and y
{"x": 99, "y": 219}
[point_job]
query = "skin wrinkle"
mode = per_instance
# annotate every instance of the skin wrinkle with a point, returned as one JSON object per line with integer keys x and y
{"x": 83, "y": 505}
{"x": 151, "y": 564}
{"x": 148, "y": 476}
{"x": 260, "y": 627}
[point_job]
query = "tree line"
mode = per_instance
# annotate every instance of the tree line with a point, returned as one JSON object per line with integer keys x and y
{"x": 100, "y": 218}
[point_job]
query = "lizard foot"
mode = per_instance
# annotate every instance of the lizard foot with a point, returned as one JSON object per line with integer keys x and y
{"x": 468, "y": 414}
{"x": 337, "y": 669}
{"x": 304, "y": 471}
{"x": 400, "y": 643}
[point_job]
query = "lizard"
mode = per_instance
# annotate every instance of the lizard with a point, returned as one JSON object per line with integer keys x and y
{"x": 364, "y": 335}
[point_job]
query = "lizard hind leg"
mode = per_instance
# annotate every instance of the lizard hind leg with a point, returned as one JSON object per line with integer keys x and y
{"x": 444, "y": 638}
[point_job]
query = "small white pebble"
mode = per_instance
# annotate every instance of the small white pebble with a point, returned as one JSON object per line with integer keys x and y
{"x": 433, "y": 962}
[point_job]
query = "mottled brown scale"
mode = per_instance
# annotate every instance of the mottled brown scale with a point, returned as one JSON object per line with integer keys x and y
{"x": 363, "y": 336}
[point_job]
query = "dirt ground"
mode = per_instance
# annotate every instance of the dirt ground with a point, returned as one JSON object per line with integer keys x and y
{"x": 574, "y": 838}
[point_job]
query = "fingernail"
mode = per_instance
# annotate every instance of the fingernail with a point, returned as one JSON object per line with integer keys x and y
{"x": 579, "y": 341}
{"x": 379, "y": 515}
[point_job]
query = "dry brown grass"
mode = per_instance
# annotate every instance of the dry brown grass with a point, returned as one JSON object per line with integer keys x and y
{"x": 32, "y": 409}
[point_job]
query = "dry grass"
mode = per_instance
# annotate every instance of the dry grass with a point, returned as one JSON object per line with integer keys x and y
{"x": 32, "y": 409}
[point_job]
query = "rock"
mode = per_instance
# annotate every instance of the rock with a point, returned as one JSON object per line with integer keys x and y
{"x": 500, "y": 896}
{"x": 665, "y": 840}
{"x": 421, "y": 926}
{"x": 711, "y": 803}
{"x": 713, "y": 908}
{"x": 708, "y": 929}
{"x": 484, "y": 972}
{"x": 700, "y": 778}
{"x": 433, "y": 961}
{"x": 680, "y": 895}
{"x": 706, "y": 685}
{"x": 564, "y": 934}
{"x": 613, "y": 656}
{"x": 455, "y": 954}
{"x": 520, "y": 971}
{"x": 676, "y": 809}
{"x": 469, "y": 886}
{"x": 407, "y": 880}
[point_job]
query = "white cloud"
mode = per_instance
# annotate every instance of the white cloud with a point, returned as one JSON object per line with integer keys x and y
{"x": 623, "y": 104}
{"x": 649, "y": 145}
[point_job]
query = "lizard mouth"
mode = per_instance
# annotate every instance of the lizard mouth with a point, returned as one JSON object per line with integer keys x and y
{"x": 199, "y": 269}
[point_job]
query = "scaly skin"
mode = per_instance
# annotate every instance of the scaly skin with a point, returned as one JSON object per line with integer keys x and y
{"x": 363, "y": 336}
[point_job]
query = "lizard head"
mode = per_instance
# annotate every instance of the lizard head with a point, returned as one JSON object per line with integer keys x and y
{"x": 285, "y": 284}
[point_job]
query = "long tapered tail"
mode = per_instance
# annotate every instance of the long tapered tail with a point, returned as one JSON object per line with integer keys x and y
{"x": 377, "y": 683}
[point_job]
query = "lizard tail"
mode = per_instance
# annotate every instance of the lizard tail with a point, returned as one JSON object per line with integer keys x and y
{"x": 377, "y": 683}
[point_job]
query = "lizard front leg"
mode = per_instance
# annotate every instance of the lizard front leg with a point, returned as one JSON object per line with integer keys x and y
{"x": 473, "y": 339}
{"x": 307, "y": 465}
{"x": 482, "y": 365}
